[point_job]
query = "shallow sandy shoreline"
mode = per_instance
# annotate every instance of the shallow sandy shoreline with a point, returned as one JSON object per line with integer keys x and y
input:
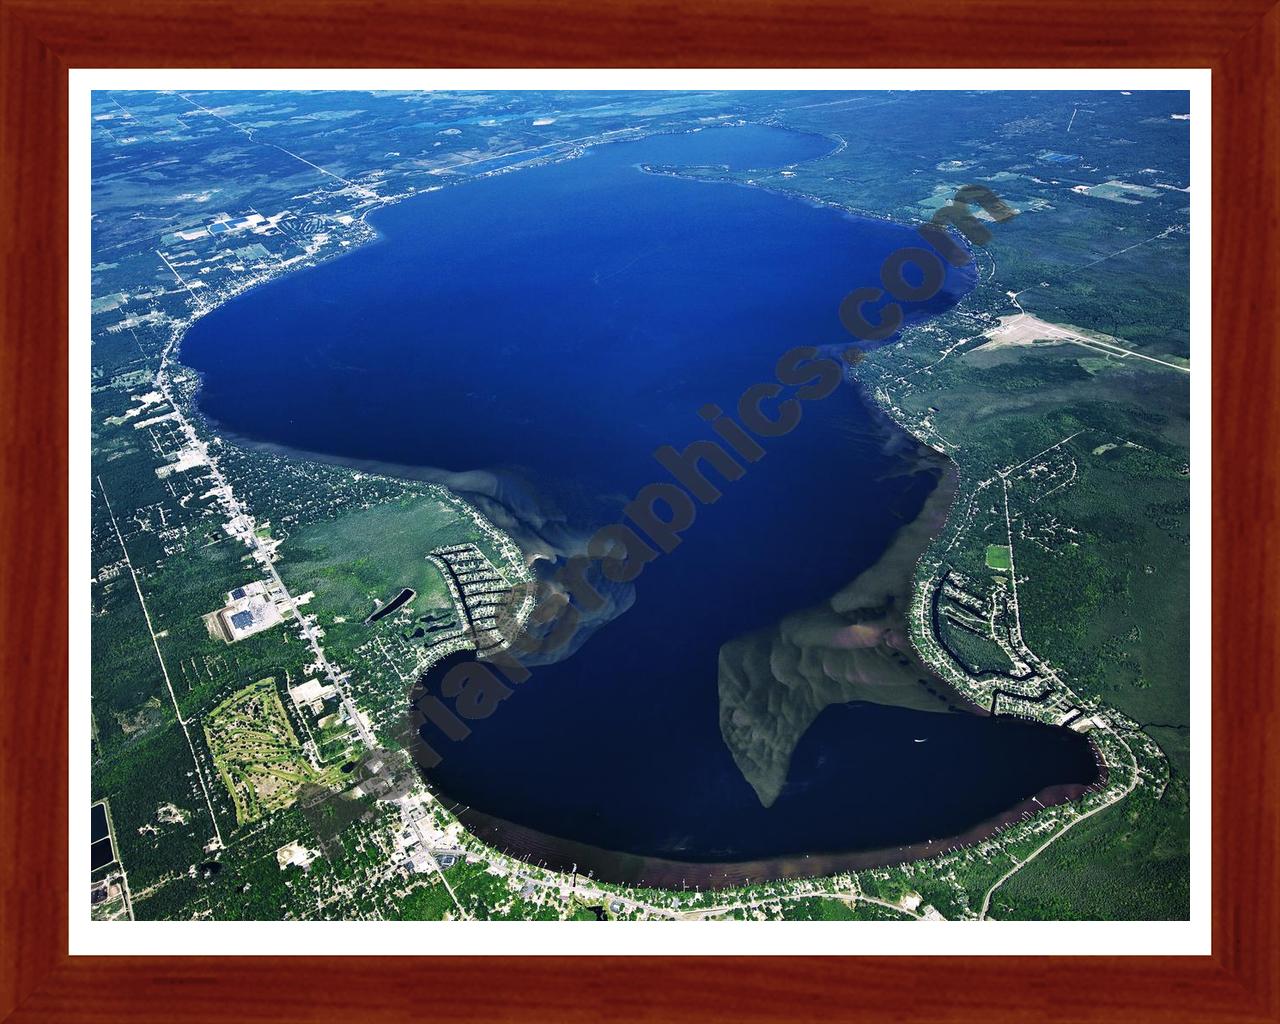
{"x": 655, "y": 872}
{"x": 900, "y": 560}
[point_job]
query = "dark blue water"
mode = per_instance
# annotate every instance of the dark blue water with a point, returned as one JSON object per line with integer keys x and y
{"x": 554, "y": 326}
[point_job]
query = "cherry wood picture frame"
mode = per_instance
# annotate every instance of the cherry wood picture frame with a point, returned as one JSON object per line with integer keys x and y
{"x": 40, "y": 40}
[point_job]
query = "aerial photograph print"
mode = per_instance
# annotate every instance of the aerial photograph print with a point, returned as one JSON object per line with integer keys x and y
{"x": 637, "y": 505}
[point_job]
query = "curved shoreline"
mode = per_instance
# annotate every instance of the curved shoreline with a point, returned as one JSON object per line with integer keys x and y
{"x": 619, "y": 868}
{"x": 788, "y": 866}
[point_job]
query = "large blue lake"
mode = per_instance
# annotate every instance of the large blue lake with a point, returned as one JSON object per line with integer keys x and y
{"x": 537, "y": 335}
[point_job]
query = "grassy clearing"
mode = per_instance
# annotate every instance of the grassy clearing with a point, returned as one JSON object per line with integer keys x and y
{"x": 998, "y": 557}
{"x": 369, "y": 555}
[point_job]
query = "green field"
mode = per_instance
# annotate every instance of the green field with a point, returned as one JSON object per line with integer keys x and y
{"x": 369, "y": 555}
{"x": 998, "y": 557}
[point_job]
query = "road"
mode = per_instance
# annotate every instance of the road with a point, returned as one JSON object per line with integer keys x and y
{"x": 160, "y": 657}
{"x": 368, "y": 193}
{"x": 263, "y": 556}
{"x": 589, "y": 893}
{"x": 1019, "y": 865}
